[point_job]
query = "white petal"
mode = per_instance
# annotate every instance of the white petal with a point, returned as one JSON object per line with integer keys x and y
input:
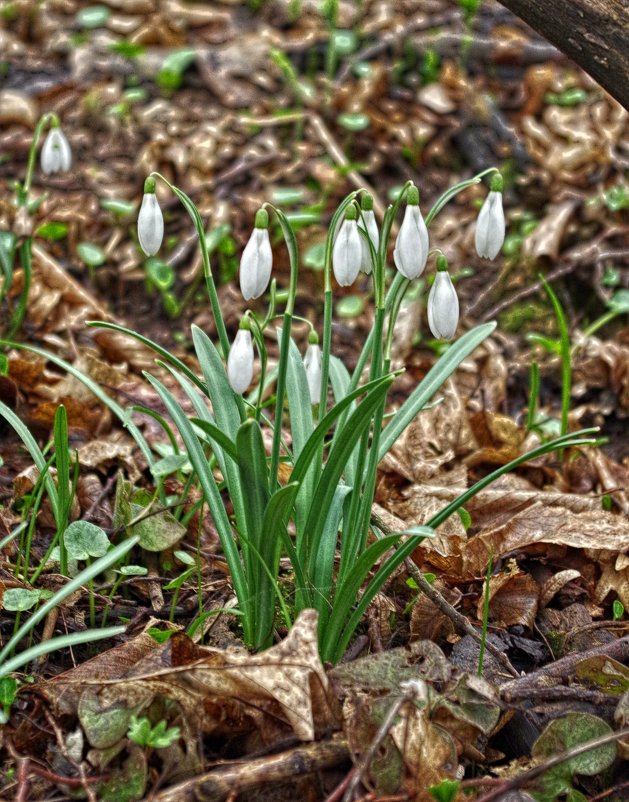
{"x": 240, "y": 362}
{"x": 150, "y": 224}
{"x": 312, "y": 363}
{"x": 490, "y": 227}
{"x": 372, "y": 231}
{"x": 347, "y": 254}
{"x": 443, "y": 307}
{"x": 411, "y": 246}
{"x": 56, "y": 155}
{"x": 256, "y": 264}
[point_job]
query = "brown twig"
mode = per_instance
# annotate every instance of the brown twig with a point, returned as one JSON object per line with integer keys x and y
{"x": 242, "y": 777}
{"x": 561, "y": 669}
{"x": 458, "y": 619}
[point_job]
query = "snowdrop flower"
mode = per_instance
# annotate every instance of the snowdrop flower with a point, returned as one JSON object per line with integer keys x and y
{"x": 490, "y": 226}
{"x": 240, "y": 359}
{"x": 56, "y": 156}
{"x": 257, "y": 259}
{"x": 367, "y": 221}
{"x": 443, "y": 305}
{"x": 347, "y": 254}
{"x": 411, "y": 246}
{"x": 312, "y": 363}
{"x": 150, "y": 220}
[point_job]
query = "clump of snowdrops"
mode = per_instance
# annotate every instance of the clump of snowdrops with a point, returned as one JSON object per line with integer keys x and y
{"x": 320, "y": 517}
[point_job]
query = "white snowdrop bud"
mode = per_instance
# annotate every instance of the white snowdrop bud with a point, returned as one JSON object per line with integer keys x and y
{"x": 347, "y": 254}
{"x": 257, "y": 259}
{"x": 240, "y": 359}
{"x": 56, "y": 155}
{"x": 150, "y": 220}
{"x": 411, "y": 246}
{"x": 443, "y": 304}
{"x": 490, "y": 226}
{"x": 312, "y": 363}
{"x": 367, "y": 221}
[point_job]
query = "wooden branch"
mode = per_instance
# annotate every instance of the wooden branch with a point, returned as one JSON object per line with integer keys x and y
{"x": 593, "y": 33}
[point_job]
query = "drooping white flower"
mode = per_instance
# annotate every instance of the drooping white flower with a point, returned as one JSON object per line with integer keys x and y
{"x": 443, "y": 304}
{"x": 150, "y": 220}
{"x": 367, "y": 221}
{"x": 257, "y": 259}
{"x": 490, "y": 226}
{"x": 56, "y": 155}
{"x": 240, "y": 361}
{"x": 312, "y": 363}
{"x": 411, "y": 246}
{"x": 347, "y": 254}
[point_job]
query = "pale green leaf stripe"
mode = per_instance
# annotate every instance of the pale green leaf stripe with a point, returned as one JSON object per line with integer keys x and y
{"x": 97, "y": 567}
{"x": 54, "y": 644}
{"x": 431, "y": 382}
{"x": 34, "y": 450}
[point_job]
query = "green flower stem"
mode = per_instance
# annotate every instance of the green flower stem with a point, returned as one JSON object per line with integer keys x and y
{"x": 26, "y": 259}
{"x": 287, "y": 320}
{"x": 194, "y": 215}
{"x": 32, "y": 155}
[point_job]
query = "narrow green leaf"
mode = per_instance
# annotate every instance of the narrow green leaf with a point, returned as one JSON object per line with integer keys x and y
{"x": 34, "y": 450}
{"x": 429, "y": 385}
{"x": 97, "y": 567}
{"x": 102, "y": 396}
{"x": 165, "y": 355}
{"x": 212, "y": 497}
{"x": 344, "y": 444}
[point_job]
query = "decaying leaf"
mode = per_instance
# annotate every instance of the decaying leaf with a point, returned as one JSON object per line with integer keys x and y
{"x": 283, "y": 688}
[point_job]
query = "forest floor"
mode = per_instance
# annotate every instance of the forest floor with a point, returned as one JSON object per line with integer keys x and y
{"x": 298, "y": 104}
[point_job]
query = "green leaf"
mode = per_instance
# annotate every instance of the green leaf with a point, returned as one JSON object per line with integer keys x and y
{"x": 8, "y": 691}
{"x": 20, "y": 599}
{"x": 118, "y": 206}
{"x": 287, "y": 196}
{"x": 34, "y": 450}
{"x": 254, "y": 476}
{"x": 104, "y": 726}
{"x": 321, "y": 567}
{"x": 102, "y": 564}
{"x": 314, "y": 257}
{"x": 54, "y": 230}
{"x": 83, "y": 540}
{"x": 344, "y": 443}
{"x": 95, "y": 389}
{"x": 570, "y": 731}
{"x": 90, "y": 254}
{"x": 92, "y": 17}
{"x": 8, "y": 241}
{"x": 353, "y": 122}
{"x": 212, "y": 497}
{"x": 161, "y": 274}
{"x": 350, "y": 306}
{"x": 301, "y": 422}
{"x": 445, "y": 791}
{"x": 162, "y": 352}
{"x": 156, "y": 530}
{"x": 431, "y": 382}
{"x": 170, "y": 76}
{"x": 168, "y": 465}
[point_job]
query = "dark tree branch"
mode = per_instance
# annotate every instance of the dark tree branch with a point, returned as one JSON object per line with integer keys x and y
{"x": 593, "y": 33}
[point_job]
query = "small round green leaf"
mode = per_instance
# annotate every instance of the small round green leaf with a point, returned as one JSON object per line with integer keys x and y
{"x": 83, "y": 540}
{"x": 20, "y": 599}
{"x": 353, "y": 122}
{"x": 90, "y": 254}
{"x": 93, "y": 16}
